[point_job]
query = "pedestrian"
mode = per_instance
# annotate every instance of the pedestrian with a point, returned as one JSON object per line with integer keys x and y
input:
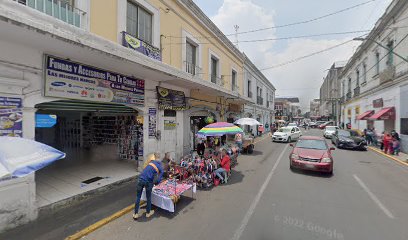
{"x": 387, "y": 141}
{"x": 225, "y": 166}
{"x": 394, "y": 134}
{"x": 396, "y": 146}
{"x": 368, "y": 136}
{"x": 167, "y": 163}
{"x": 382, "y": 141}
{"x": 238, "y": 141}
{"x": 151, "y": 174}
{"x": 200, "y": 147}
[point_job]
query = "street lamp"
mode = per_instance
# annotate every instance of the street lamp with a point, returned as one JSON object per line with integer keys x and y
{"x": 379, "y": 44}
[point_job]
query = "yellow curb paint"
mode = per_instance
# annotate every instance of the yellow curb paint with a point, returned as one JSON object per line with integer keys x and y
{"x": 100, "y": 223}
{"x": 388, "y": 156}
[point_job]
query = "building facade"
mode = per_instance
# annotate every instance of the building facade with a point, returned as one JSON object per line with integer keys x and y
{"x": 290, "y": 109}
{"x": 330, "y": 93}
{"x": 122, "y": 79}
{"x": 315, "y": 109}
{"x": 374, "y": 81}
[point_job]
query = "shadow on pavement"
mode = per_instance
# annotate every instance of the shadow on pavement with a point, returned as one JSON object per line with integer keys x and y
{"x": 254, "y": 153}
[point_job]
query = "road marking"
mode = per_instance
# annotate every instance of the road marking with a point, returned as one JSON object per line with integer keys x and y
{"x": 255, "y": 202}
{"x": 388, "y": 156}
{"x": 374, "y": 198}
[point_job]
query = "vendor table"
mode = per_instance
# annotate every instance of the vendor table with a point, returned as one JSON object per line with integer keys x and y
{"x": 161, "y": 200}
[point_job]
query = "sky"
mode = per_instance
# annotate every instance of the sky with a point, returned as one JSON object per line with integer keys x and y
{"x": 301, "y": 78}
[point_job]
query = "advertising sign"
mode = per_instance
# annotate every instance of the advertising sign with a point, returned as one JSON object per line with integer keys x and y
{"x": 378, "y": 103}
{"x": 67, "y": 79}
{"x": 171, "y": 99}
{"x": 170, "y": 124}
{"x": 152, "y": 122}
{"x": 140, "y": 46}
{"x": 11, "y": 117}
{"x": 45, "y": 120}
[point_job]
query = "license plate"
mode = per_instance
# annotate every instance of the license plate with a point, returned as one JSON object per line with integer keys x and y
{"x": 309, "y": 166}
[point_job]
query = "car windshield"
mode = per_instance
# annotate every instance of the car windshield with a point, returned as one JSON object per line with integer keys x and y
{"x": 331, "y": 128}
{"x": 345, "y": 133}
{"x": 285, "y": 130}
{"x": 311, "y": 144}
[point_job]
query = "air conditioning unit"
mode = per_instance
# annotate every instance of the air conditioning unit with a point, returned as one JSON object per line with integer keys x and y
{"x": 387, "y": 75}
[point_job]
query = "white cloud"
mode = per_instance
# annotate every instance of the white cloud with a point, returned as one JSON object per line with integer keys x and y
{"x": 296, "y": 79}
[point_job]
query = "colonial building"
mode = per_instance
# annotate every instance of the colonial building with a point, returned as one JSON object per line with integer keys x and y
{"x": 315, "y": 109}
{"x": 374, "y": 82}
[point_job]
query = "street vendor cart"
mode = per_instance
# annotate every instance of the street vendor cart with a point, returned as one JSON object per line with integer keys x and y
{"x": 248, "y": 145}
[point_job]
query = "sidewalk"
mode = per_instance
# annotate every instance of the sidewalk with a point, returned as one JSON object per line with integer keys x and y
{"x": 402, "y": 158}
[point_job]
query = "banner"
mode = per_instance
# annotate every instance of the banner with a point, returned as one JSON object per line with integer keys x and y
{"x": 171, "y": 99}
{"x": 11, "y": 117}
{"x": 170, "y": 124}
{"x": 67, "y": 79}
{"x": 45, "y": 120}
{"x": 140, "y": 46}
{"x": 152, "y": 122}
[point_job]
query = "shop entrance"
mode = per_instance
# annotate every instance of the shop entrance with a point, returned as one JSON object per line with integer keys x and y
{"x": 102, "y": 143}
{"x": 198, "y": 120}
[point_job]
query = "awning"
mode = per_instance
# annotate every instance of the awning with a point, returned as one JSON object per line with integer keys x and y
{"x": 366, "y": 115}
{"x": 384, "y": 114}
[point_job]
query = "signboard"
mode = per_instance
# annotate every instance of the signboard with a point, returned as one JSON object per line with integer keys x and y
{"x": 152, "y": 122}
{"x": 140, "y": 46}
{"x": 171, "y": 99}
{"x": 378, "y": 103}
{"x": 45, "y": 120}
{"x": 11, "y": 117}
{"x": 170, "y": 124}
{"x": 67, "y": 79}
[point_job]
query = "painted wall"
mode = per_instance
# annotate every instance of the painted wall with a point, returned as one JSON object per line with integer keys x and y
{"x": 103, "y": 19}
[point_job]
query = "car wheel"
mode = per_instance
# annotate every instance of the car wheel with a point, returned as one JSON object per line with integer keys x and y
{"x": 291, "y": 167}
{"x": 250, "y": 149}
{"x": 289, "y": 139}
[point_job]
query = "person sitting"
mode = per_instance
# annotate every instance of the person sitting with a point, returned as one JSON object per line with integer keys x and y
{"x": 167, "y": 162}
{"x": 225, "y": 167}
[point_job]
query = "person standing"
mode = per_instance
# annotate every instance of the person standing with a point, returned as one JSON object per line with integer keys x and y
{"x": 387, "y": 140}
{"x": 238, "y": 141}
{"x": 167, "y": 163}
{"x": 201, "y": 147}
{"x": 225, "y": 166}
{"x": 146, "y": 181}
{"x": 396, "y": 146}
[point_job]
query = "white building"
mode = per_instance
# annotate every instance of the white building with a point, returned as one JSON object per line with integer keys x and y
{"x": 260, "y": 92}
{"x": 375, "y": 79}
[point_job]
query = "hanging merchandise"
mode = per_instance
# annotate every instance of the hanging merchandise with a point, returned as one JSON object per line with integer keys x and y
{"x": 209, "y": 120}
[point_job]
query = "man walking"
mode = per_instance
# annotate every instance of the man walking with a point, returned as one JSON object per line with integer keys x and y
{"x": 146, "y": 180}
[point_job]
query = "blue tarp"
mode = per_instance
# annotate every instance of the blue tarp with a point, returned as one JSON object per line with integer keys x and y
{"x": 20, "y": 157}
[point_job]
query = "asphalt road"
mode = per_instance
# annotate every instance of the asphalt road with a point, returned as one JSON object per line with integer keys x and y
{"x": 365, "y": 198}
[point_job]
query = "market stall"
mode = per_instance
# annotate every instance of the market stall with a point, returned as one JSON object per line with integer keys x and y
{"x": 247, "y": 141}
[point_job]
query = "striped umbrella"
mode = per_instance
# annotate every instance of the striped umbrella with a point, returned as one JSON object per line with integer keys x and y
{"x": 219, "y": 129}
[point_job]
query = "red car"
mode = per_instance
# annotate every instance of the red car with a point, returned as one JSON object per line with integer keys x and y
{"x": 324, "y": 125}
{"x": 312, "y": 153}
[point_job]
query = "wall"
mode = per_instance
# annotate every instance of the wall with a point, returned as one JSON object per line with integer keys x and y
{"x": 104, "y": 19}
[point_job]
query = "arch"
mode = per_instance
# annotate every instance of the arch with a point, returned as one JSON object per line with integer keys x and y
{"x": 196, "y": 111}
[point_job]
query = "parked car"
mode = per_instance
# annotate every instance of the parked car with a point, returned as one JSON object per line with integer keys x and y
{"x": 329, "y": 130}
{"x": 329, "y": 123}
{"x": 312, "y": 153}
{"x": 349, "y": 139}
{"x": 292, "y": 124}
{"x": 316, "y": 124}
{"x": 286, "y": 134}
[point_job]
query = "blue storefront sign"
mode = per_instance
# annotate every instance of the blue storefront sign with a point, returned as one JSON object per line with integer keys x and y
{"x": 45, "y": 120}
{"x": 72, "y": 80}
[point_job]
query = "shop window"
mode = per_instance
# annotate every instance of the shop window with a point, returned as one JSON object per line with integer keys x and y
{"x": 170, "y": 113}
{"x": 404, "y": 126}
{"x": 139, "y": 22}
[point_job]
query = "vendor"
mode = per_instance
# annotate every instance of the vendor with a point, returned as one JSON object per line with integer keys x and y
{"x": 146, "y": 180}
{"x": 225, "y": 166}
{"x": 200, "y": 147}
{"x": 167, "y": 162}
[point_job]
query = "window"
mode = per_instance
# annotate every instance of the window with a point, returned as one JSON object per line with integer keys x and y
{"x": 214, "y": 73}
{"x": 344, "y": 88}
{"x": 358, "y": 78}
{"x": 377, "y": 63}
{"x": 170, "y": 113}
{"x": 390, "y": 56}
{"x": 234, "y": 80}
{"x": 249, "y": 89}
{"x": 365, "y": 73}
{"x": 191, "y": 51}
{"x": 349, "y": 84}
{"x": 139, "y": 22}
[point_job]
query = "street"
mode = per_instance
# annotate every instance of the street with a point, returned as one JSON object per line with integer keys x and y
{"x": 365, "y": 198}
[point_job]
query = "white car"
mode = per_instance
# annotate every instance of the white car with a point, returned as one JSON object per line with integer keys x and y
{"x": 292, "y": 125}
{"x": 329, "y": 130}
{"x": 286, "y": 134}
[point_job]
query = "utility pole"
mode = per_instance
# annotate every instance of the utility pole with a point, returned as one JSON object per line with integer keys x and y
{"x": 236, "y": 27}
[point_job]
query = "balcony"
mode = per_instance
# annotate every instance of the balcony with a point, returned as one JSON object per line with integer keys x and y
{"x": 235, "y": 88}
{"x": 387, "y": 75}
{"x": 192, "y": 68}
{"x": 141, "y": 46}
{"x": 348, "y": 96}
{"x": 356, "y": 91}
{"x": 259, "y": 100}
{"x": 249, "y": 94}
{"x": 59, "y": 9}
{"x": 217, "y": 80}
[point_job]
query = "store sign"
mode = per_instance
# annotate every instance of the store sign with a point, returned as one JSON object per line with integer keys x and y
{"x": 67, "y": 79}
{"x": 169, "y": 124}
{"x": 171, "y": 99}
{"x": 140, "y": 46}
{"x": 45, "y": 120}
{"x": 152, "y": 122}
{"x": 378, "y": 103}
{"x": 11, "y": 117}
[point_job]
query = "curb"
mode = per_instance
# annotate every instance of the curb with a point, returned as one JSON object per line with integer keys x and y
{"x": 101, "y": 223}
{"x": 388, "y": 156}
